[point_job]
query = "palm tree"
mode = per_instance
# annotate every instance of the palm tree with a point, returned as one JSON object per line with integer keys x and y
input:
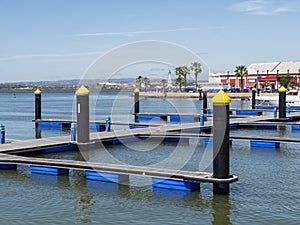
{"x": 139, "y": 81}
{"x": 186, "y": 71}
{"x": 178, "y": 71}
{"x": 180, "y": 81}
{"x": 182, "y": 71}
{"x": 196, "y": 68}
{"x": 241, "y": 71}
{"x": 146, "y": 82}
{"x": 284, "y": 80}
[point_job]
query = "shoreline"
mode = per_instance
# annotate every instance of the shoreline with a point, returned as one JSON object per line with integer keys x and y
{"x": 190, "y": 95}
{"x": 240, "y": 95}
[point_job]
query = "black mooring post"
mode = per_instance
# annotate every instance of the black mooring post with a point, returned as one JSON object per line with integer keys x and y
{"x": 83, "y": 118}
{"x": 200, "y": 94}
{"x": 282, "y": 102}
{"x": 38, "y": 105}
{"x": 204, "y": 103}
{"x": 221, "y": 103}
{"x": 253, "y": 98}
{"x": 136, "y": 104}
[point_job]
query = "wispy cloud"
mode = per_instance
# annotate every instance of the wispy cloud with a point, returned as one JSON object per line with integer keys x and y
{"x": 30, "y": 56}
{"x": 262, "y": 7}
{"x": 134, "y": 33}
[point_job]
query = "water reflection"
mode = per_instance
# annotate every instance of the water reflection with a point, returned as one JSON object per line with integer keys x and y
{"x": 38, "y": 179}
{"x": 83, "y": 199}
{"x": 109, "y": 188}
{"x": 180, "y": 198}
{"x": 84, "y": 207}
{"x": 221, "y": 210}
{"x": 169, "y": 194}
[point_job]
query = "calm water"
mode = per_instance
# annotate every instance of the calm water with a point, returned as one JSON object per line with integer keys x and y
{"x": 268, "y": 191}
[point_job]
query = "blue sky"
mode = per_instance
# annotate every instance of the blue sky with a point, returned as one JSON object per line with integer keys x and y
{"x": 59, "y": 39}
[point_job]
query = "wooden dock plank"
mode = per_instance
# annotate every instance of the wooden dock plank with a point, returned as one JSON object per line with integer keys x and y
{"x": 116, "y": 168}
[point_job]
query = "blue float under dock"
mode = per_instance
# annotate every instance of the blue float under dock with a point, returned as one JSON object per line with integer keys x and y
{"x": 175, "y": 184}
{"x": 51, "y": 125}
{"x": 295, "y": 127}
{"x": 233, "y": 126}
{"x": 176, "y": 139}
{"x": 150, "y": 117}
{"x": 265, "y": 127}
{"x": 209, "y": 111}
{"x": 294, "y": 108}
{"x": 182, "y": 119}
{"x": 108, "y": 177}
{"x": 264, "y": 107}
{"x": 209, "y": 141}
{"x": 61, "y": 148}
{"x": 248, "y": 113}
{"x": 264, "y": 144}
{"x": 8, "y": 166}
{"x": 136, "y": 126}
{"x": 48, "y": 170}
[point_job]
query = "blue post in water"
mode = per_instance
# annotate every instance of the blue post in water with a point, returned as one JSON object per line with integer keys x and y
{"x": 107, "y": 124}
{"x": 275, "y": 112}
{"x": 202, "y": 120}
{"x": 2, "y": 137}
{"x": 73, "y": 131}
{"x": 288, "y": 109}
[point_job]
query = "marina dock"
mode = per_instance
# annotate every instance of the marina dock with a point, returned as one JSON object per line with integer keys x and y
{"x": 10, "y": 150}
{"x": 165, "y": 126}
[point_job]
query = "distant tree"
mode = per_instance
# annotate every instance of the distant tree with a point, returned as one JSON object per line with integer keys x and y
{"x": 164, "y": 83}
{"x": 266, "y": 84}
{"x": 284, "y": 80}
{"x": 178, "y": 71}
{"x": 146, "y": 82}
{"x": 139, "y": 81}
{"x": 196, "y": 68}
{"x": 241, "y": 71}
{"x": 179, "y": 82}
{"x": 186, "y": 71}
{"x": 182, "y": 71}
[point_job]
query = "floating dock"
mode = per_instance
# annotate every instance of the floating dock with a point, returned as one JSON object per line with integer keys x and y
{"x": 8, "y": 150}
{"x": 115, "y": 168}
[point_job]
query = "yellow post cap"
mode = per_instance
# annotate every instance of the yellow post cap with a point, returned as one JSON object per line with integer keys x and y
{"x": 221, "y": 98}
{"x": 282, "y": 89}
{"x": 253, "y": 89}
{"x": 82, "y": 91}
{"x": 136, "y": 90}
{"x": 38, "y": 92}
{"x": 204, "y": 89}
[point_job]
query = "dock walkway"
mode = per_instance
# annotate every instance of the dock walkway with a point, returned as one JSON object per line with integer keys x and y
{"x": 116, "y": 168}
{"x": 38, "y": 144}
